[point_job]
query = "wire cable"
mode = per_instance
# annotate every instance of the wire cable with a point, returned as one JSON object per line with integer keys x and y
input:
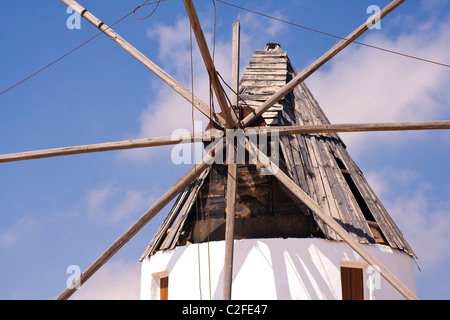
{"x": 232, "y": 5}
{"x": 87, "y": 41}
{"x": 147, "y": 4}
{"x": 335, "y": 36}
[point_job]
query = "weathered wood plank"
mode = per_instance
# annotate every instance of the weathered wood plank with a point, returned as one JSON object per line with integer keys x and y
{"x": 356, "y": 127}
{"x": 266, "y": 90}
{"x": 168, "y": 221}
{"x": 267, "y": 57}
{"x": 322, "y": 214}
{"x": 354, "y": 221}
{"x": 249, "y": 84}
{"x": 172, "y": 238}
{"x": 259, "y": 71}
{"x": 386, "y": 223}
{"x": 333, "y": 200}
{"x": 317, "y": 182}
{"x": 263, "y": 66}
{"x": 265, "y": 53}
{"x": 263, "y": 77}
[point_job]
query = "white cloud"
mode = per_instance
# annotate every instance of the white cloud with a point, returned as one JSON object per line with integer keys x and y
{"x": 433, "y": 5}
{"x": 116, "y": 280}
{"x": 264, "y": 27}
{"x": 113, "y": 204}
{"x": 367, "y": 85}
{"x": 426, "y": 225}
{"x": 422, "y": 216}
{"x": 22, "y": 227}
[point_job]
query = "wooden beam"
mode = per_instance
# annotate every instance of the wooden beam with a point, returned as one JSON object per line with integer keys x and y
{"x": 179, "y": 186}
{"x": 174, "y": 84}
{"x": 232, "y": 177}
{"x": 235, "y": 56}
{"x": 206, "y": 136}
{"x": 230, "y": 117}
{"x": 111, "y": 146}
{"x": 353, "y": 127}
{"x": 230, "y": 212}
{"x": 301, "y": 195}
{"x": 282, "y": 92}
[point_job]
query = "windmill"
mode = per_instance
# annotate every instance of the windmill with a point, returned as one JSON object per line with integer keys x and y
{"x": 227, "y": 119}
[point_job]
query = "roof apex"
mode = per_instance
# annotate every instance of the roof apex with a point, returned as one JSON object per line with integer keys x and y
{"x": 272, "y": 46}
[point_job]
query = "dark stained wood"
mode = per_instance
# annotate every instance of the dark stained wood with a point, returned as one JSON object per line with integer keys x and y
{"x": 164, "y": 288}
{"x": 352, "y": 283}
{"x": 281, "y": 226}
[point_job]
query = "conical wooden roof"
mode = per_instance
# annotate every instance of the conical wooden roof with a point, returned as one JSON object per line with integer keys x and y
{"x": 318, "y": 163}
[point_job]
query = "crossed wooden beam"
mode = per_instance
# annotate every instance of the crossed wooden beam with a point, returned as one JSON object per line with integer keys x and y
{"x": 227, "y": 120}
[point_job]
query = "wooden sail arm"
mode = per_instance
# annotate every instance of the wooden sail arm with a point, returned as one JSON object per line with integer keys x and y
{"x": 111, "y": 146}
{"x": 353, "y": 127}
{"x": 206, "y": 136}
{"x": 179, "y": 186}
{"x": 232, "y": 177}
{"x": 235, "y": 56}
{"x": 282, "y": 92}
{"x": 174, "y": 84}
{"x": 230, "y": 213}
{"x": 301, "y": 195}
{"x": 230, "y": 118}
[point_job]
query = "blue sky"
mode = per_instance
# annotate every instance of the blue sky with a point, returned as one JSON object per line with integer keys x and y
{"x": 66, "y": 211}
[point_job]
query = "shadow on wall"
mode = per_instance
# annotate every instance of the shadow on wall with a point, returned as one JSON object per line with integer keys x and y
{"x": 262, "y": 269}
{"x": 276, "y": 269}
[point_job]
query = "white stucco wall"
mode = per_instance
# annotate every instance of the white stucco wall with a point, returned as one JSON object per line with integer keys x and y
{"x": 272, "y": 269}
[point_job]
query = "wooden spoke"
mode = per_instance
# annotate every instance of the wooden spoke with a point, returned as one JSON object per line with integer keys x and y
{"x": 174, "y": 84}
{"x": 230, "y": 210}
{"x": 179, "y": 186}
{"x": 230, "y": 213}
{"x": 235, "y": 56}
{"x": 353, "y": 127}
{"x": 301, "y": 195}
{"x": 110, "y": 146}
{"x": 206, "y": 136}
{"x": 315, "y": 66}
{"x": 230, "y": 117}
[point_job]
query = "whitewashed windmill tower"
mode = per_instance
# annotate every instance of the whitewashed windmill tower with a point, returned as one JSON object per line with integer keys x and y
{"x": 282, "y": 250}
{"x": 310, "y": 227}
